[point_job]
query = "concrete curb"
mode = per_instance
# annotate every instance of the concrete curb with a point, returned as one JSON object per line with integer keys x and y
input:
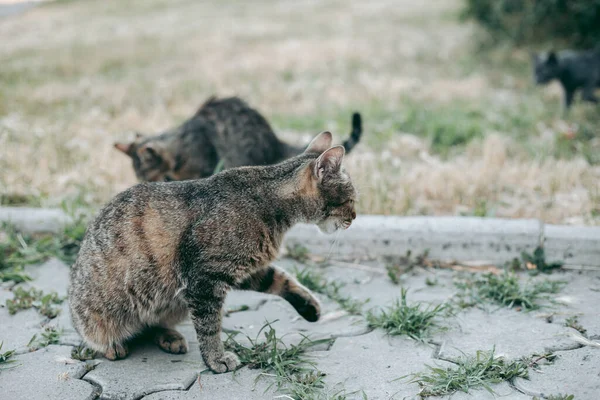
{"x": 447, "y": 238}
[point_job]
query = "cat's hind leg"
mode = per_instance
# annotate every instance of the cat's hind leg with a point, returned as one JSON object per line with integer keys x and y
{"x": 275, "y": 281}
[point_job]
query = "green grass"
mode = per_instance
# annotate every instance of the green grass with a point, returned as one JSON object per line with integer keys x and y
{"x": 470, "y": 372}
{"x": 505, "y": 290}
{"x": 82, "y": 353}
{"x": 414, "y": 321}
{"x": 50, "y": 335}
{"x": 573, "y": 322}
{"x": 396, "y": 266}
{"x": 19, "y": 249}
{"x": 6, "y": 358}
{"x": 316, "y": 282}
{"x": 297, "y": 252}
{"x": 295, "y": 373}
{"x": 536, "y": 262}
{"x": 27, "y": 298}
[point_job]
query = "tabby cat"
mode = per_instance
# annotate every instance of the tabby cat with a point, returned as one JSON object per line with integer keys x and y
{"x": 223, "y": 132}
{"x": 159, "y": 251}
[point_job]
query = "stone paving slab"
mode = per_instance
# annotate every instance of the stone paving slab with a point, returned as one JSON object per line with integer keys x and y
{"x": 244, "y": 384}
{"x": 514, "y": 334}
{"x": 575, "y": 372}
{"x": 49, "y": 373}
{"x": 359, "y": 360}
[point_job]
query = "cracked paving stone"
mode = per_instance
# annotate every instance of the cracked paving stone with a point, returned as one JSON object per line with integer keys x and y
{"x": 514, "y": 334}
{"x": 575, "y": 372}
{"x": 51, "y": 276}
{"x": 582, "y": 297}
{"x": 286, "y": 321}
{"x": 17, "y": 330}
{"x": 148, "y": 369}
{"x": 48, "y": 373}
{"x": 373, "y": 363}
{"x": 381, "y": 292}
{"x": 246, "y": 384}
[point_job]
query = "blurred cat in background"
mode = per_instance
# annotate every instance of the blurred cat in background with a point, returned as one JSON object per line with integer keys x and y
{"x": 224, "y": 133}
{"x": 574, "y": 71}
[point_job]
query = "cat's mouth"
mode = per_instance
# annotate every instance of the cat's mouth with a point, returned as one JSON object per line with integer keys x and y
{"x": 345, "y": 224}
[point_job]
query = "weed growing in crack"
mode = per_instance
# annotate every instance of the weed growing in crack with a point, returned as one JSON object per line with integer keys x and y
{"x": 316, "y": 282}
{"x": 481, "y": 370}
{"x": 19, "y": 249}
{"x": 5, "y": 358}
{"x": 82, "y": 353}
{"x": 573, "y": 322}
{"x": 414, "y": 321}
{"x": 536, "y": 262}
{"x": 558, "y": 397}
{"x": 25, "y": 299}
{"x": 396, "y": 266}
{"x": 505, "y": 290}
{"x": 294, "y": 372}
{"x": 50, "y": 335}
{"x": 297, "y": 252}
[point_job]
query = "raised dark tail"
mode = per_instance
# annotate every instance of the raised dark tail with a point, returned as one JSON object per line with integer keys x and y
{"x": 355, "y": 134}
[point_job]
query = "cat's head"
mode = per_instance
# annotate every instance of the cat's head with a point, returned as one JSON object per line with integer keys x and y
{"x": 329, "y": 185}
{"x": 151, "y": 162}
{"x": 546, "y": 68}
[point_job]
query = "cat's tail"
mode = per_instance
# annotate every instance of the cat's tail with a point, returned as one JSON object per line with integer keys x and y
{"x": 355, "y": 134}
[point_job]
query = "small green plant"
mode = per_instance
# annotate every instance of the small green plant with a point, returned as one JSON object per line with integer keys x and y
{"x": 24, "y": 299}
{"x": 295, "y": 373}
{"x": 50, "y": 335}
{"x": 561, "y": 397}
{"x": 431, "y": 282}
{"x": 481, "y": 370}
{"x": 297, "y": 252}
{"x": 5, "y": 358}
{"x": 413, "y": 321}
{"x": 396, "y": 266}
{"x": 316, "y": 282}
{"x": 505, "y": 290}
{"x": 82, "y": 353}
{"x": 16, "y": 275}
{"x": 536, "y": 262}
{"x": 573, "y": 322}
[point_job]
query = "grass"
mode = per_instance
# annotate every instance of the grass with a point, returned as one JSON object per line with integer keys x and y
{"x": 27, "y": 298}
{"x": 414, "y": 321}
{"x": 573, "y": 322}
{"x": 479, "y": 371}
{"x": 20, "y": 249}
{"x": 505, "y": 290}
{"x": 297, "y": 252}
{"x": 82, "y": 353}
{"x": 397, "y": 266}
{"x": 50, "y": 335}
{"x": 295, "y": 373}
{"x": 6, "y": 358}
{"x": 452, "y": 118}
{"x": 316, "y": 282}
{"x": 537, "y": 263}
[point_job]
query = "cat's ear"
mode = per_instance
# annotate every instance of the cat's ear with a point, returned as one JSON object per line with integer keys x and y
{"x": 329, "y": 162}
{"x": 124, "y": 147}
{"x": 320, "y": 143}
{"x": 149, "y": 153}
{"x": 552, "y": 59}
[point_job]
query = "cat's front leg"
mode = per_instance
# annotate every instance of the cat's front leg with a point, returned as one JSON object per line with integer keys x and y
{"x": 276, "y": 281}
{"x": 205, "y": 310}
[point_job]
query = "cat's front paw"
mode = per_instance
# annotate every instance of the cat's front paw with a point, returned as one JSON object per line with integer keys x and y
{"x": 225, "y": 363}
{"x": 305, "y": 304}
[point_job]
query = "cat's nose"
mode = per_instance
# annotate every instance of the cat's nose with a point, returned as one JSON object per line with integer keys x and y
{"x": 353, "y": 214}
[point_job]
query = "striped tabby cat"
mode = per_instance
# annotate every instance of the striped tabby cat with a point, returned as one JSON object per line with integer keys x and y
{"x": 160, "y": 251}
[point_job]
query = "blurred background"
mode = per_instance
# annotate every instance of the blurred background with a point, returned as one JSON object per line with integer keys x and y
{"x": 453, "y": 122}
